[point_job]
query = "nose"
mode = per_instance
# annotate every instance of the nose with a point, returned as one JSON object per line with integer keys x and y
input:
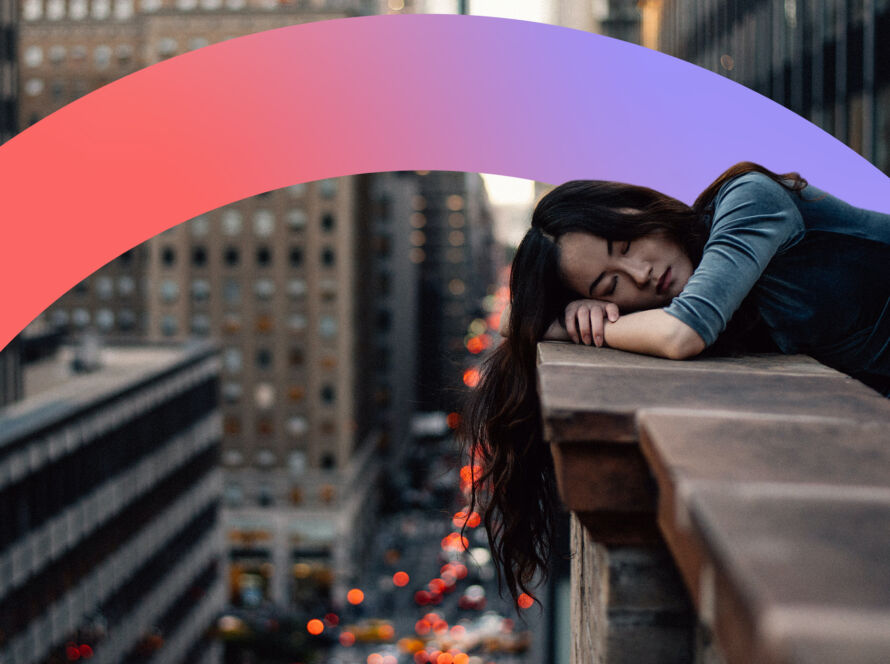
{"x": 640, "y": 271}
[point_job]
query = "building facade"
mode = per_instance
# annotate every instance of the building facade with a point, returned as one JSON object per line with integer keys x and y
{"x": 111, "y": 546}
{"x": 828, "y": 61}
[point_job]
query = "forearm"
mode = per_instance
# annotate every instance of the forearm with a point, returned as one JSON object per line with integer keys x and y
{"x": 653, "y": 332}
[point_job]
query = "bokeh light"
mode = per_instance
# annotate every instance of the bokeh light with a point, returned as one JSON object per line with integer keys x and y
{"x": 315, "y": 627}
{"x": 355, "y": 596}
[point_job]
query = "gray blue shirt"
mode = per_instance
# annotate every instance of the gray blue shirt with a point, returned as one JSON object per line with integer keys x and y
{"x": 817, "y": 267}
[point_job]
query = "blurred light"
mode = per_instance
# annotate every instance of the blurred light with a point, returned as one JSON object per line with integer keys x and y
{"x": 389, "y": 659}
{"x": 422, "y": 597}
{"x": 417, "y": 255}
{"x": 727, "y": 62}
{"x": 418, "y": 220}
{"x": 440, "y": 627}
{"x": 525, "y": 601}
{"x": 347, "y": 639}
{"x": 471, "y": 377}
{"x": 453, "y": 420}
{"x": 458, "y": 631}
{"x": 302, "y": 570}
{"x": 418, "y": 238}
{"x": 422, "y": 627}
{"x": 355, "y": 596}
{"x": 397, "y": 5}
{"x": 401, "y": 579}
{"x": 437, "y": 585}
{"x": 72, "y": 652}
{"x": 478, "y": 326}
{"x": 457, "y": 287}
{"x": 445, "y": 658}
{"x": 375, "y": 658}
{"x": 386, "y": 632}
{"x": 315, "y": 627}
{"x": 85, "y": 651}
{"x": 475, "y": 345}
{"x": 332, "y": 619}
{"x": 421, "y": 657}
{"x": 454, "y": 203}
{"x": 462, "y": 519}
{"x": 461, "y": 658}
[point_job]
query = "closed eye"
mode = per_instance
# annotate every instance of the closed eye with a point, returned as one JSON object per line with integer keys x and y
{"x": 626, "y": 247}
{"x": 611, "y": 290}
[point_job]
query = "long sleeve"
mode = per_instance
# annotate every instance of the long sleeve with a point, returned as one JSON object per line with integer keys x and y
{"x": 754, "y": 218}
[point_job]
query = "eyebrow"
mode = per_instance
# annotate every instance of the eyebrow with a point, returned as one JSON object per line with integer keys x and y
{"x": 602, "y": 274}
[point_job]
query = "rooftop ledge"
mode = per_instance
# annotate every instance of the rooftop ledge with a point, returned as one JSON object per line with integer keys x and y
{"x": 767, "y": 477}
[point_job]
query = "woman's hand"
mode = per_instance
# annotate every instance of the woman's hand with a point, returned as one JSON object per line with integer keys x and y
{"x": 585, "y": 320}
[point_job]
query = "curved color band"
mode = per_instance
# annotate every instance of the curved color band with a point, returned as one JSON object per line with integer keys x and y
{"x": 376, "y": 94}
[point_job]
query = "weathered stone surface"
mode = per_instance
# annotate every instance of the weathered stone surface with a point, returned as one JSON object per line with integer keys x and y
{"x": 687, "y": 450}
{"x": 628, "y": 606}
{"x": 788, "y": 559}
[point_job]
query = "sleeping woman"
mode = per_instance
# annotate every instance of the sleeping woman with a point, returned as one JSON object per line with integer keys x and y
{"x": 760, "y": 262}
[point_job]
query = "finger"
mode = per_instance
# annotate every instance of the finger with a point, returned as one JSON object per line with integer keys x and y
{"x": 583, "y": 319}
{"x": 596, "y": 325}
{"x": 612, "y": 311}
{"x": 571, "y": 328}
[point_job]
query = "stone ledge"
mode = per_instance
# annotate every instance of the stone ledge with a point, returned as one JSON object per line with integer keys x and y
{"x": 722, "y": 442}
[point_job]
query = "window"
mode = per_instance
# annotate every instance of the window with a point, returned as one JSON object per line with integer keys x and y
{"x": 168, "y": 256}
{"x": 105, "y": 319}
{"x": 169, "y": 291}
{"x": 297, "y": 426}
{"x": 57, "y": 52}
{"x": 297, "y": 190}
{"x": 101, "y": 9}
{"x": 166, "y": 47}
{"x": 263, "y": 358}
{"x": 33, "y": 87}
{"x": 454, "y": 203}
{"x": 199, "y": 226}
{"x": 327, "y": 257}
{"x": 231, "y": 256}
{"x": 200, "y": 290}
{"x": 264, "y": 395}
{"x": 296, "y": 393}
{"x": 60, "y": 318}
{"x": 295, "y": 257}
{"x": 263, "y": 223}
{"x": 126, "y": 320}
{"x": 231, "y": 323}
{"x": 55, "y": 9}
{"x": 232, "y": 360}
{"x": 456, "y": 220}
{"x": 231, "y": 222}
{"x": 456, "y": 238}
{"x": 199, "y": 257}
{"x": 169, "y": 326}
{"x": 263, "y": 257}
{"x": 200, "y": 42}
{"x": 231, "y": 292}
{"x": 201, "y": 325}
{"x": 327, "y": 222}
{"x": 418, "y": 238}
{"x": 328, "y": 188}
{"x": 265, "y": 458}
{"x": 296, "y": 220}
{"x": 123, "y": 9}
{"x": 327, "y": 327}
{"x": 80, "y": 317}
{"x": 104, "y": 288}
{"x": 296, "y": 322}
{"x": 296, "y": 288}
{"x": 232, "y": 425}
{"x": 264, "y": 288}
{"x": 231, "y": 392}
{"x": 33, "y": 56}
{"x": 295, "y": 356}
{"x": 328, "y": 395}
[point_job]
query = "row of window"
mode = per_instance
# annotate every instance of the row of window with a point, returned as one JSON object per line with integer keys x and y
{"x": 232, "y": 256}
{"x": 296, "y": 426}
{"x": 56, "y": 54}
{"x": 296, "y": 462}
{"x": 54, "y": 10}
{"x": 201, "y": 326}
{"x": 232, "y": 220}
{"x": 264, "y": 394}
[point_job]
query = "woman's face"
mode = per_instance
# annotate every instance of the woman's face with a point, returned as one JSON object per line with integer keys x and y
{"x": 646, "y": 273}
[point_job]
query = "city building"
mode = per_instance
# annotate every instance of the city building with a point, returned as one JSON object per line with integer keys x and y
{"x": 111, "y": 546}
{"x": 827, "y": 61}
{"x": 8, "y": 70}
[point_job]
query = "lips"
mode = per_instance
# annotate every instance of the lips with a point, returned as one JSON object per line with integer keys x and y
{"x": 664, "y": 282}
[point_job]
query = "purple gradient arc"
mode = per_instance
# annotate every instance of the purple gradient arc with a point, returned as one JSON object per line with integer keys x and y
{"x": 371, "y": 94}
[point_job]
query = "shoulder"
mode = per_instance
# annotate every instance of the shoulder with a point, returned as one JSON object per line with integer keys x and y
{"x": 752, "y": 189}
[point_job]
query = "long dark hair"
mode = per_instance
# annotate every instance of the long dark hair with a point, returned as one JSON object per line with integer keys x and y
{"x": 500, "y": 429}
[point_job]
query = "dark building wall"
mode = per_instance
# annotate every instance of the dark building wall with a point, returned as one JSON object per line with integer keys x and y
{"x": 828, "y": 61}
